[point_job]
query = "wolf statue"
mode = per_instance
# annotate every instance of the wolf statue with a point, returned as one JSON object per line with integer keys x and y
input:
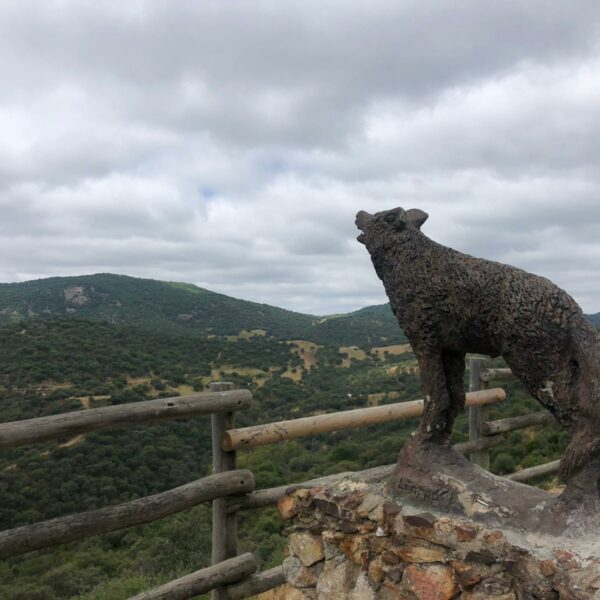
{"x": 449, "y": 303}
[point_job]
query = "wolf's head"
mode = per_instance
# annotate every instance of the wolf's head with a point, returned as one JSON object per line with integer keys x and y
{"x": 386, "y": 228}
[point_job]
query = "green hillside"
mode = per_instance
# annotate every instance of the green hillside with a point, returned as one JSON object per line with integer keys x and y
{"x": 595, "y": 319}
{"x": 373, "y": 325}
{"x": 54, "y": 366}
{"x": 126, "y": 342}
{"x": 49, "y": 367}
{"x": 184, "y": 308}
{"x": 170, "y": 307}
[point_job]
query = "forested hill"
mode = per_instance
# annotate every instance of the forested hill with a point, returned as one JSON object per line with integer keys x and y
{"x": 81, "y": 343}
{"x": 169, "y": 307}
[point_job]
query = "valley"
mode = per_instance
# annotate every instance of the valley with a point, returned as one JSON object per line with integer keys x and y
{"x": 126, "y": 342}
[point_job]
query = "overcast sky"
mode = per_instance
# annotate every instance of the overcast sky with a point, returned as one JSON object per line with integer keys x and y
{"x": 230, "y": 143}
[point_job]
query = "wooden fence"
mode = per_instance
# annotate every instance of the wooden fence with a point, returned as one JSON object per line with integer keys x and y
{"x": 226, "y": 482}
{"x": 481, "y": 428}
{"x": 232, "y": 576}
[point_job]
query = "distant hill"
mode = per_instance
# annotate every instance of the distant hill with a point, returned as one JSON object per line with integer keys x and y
{"x": 368, "y": 326}
{"x": 181, "y": 308}
{"x": 184, "y": 308}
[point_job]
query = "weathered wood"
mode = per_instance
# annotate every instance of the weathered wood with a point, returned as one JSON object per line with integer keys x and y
{"x": 488, "y": 375}
{"x": 477, "y": 414}
{"x": 270, "y": 496}
{"x": 224, "y": 524}
{"x": 542, "y": 417}
{"x": 204, "y": 580}
{"x": 248, "y": 437}
{"x": 480, "y": 445}
{"x": 537, "y": 471}
{"x": 144, "y": 510}
{"x": 42, "y": 429}
{"x": 257, "y": 584}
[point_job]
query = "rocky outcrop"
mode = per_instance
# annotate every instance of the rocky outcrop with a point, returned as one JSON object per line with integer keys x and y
{"x": 76, "y": 295}
{"x": 349, "y": 542}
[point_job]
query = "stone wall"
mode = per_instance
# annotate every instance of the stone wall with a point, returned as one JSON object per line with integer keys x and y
{"x": 347, "y": 541}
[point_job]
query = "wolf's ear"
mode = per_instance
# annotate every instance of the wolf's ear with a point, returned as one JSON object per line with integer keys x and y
{"x": 416, "y": 217}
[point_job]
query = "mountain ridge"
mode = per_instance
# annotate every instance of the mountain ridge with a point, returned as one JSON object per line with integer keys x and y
{"x": 185, "y": 308}
{"x": 595, "y": 319}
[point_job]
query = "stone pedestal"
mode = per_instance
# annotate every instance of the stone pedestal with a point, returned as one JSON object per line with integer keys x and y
{"x": 348, "y": 541}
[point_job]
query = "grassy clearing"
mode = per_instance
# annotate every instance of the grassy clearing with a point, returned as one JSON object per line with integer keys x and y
{"x": 391, "y": 350}
{"x": 246, "y": 334}
{"x": 293, "y": 373}
{"x": 411, "y": 367}
{"x": 185, "y": 389}
{"x": 259, "y": 377}
{"x": 85, "y": 401}
{"x": 350, "y": 352}
{"x": 307, "y": 352}
{"x": 72, "y": 442}
{"x": 375, "y": 399}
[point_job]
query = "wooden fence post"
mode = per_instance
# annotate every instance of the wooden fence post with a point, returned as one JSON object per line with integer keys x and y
{"x": 224, "y": 524}
{"x": 478, "y": 414}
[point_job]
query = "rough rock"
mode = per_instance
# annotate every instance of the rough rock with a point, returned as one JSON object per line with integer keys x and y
{"x": 307, "y": 547}
{"x": 337, "y": 580}
{"x": 297, "y": 574}
{"x": 431, "y": 582}
{"x": 411, "y": 554}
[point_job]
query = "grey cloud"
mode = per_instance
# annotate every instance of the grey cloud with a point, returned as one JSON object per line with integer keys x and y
{"x": 236, "y": 53}
{"x": 230, "y": 144}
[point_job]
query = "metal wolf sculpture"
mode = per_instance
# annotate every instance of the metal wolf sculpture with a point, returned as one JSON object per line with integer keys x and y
{"x": 449, "y": 303}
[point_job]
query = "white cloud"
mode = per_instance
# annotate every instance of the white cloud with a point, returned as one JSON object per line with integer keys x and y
{"x": 230, "y": 144}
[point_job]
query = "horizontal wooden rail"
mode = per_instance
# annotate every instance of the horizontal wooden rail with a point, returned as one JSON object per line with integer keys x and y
{"x": 256, "y": 584}
{"x": 488, "y": 374}
{"x": 42, "y": 429}
{"x": 144, "y": 510}
{"x": 538, "y": 471}
{"x": 204, "y": 580}
{"x": 248, "y": 437}
{"x": 478, "y": 445}
{"x": 270, "y": 496}
{"x": 542, "y": 417}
